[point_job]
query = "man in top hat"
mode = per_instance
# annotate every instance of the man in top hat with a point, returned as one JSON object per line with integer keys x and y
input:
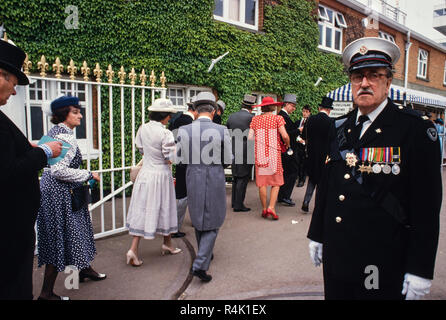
{"x": 376, "y": 223}
{"x": 243, "y": 152}
{"x": 220, "y": 110}
{"x": 316, "y": 133}
{"x": 20, "y": 163}
{"x": 301, "y": 152}
{"x": 289, "y": 158}
{"x": 180, "y": 169}
{"x": 205, "y": 147}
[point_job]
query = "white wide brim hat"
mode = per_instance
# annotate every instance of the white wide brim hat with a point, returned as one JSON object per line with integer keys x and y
{"x": 162, "y": 105}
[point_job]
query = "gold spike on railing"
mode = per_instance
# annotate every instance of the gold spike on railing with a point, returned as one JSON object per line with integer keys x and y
{"x": 143, "y": 77}
{"x": 27, "y": 65}
{"x": 42, "y": 65}
{"x": 152, "y": 78}
{"x": 163, "y": 80}
{"x": 85, "y": 70}
{"x": 132, "y": 77}
{"x": 72, "y": 69}
{"x": 5, "y": 37}
{"x": 121, "y": 75}
{"x": 58, "y": 67}
{"x": 97, "y": 72}
{"x": 110, "y": 74}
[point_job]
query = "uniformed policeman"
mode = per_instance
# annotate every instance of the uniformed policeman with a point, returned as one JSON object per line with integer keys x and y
{"x": 377, "y": 210}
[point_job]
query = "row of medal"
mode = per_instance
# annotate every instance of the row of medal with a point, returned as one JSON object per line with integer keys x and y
{"x": 385, "y": 160}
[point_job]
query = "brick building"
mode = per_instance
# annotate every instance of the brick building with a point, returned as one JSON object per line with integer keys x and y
{"x": 420, "y": 74}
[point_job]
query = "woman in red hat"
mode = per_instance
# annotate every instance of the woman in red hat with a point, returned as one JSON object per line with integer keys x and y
{"x": 266, "y": 130}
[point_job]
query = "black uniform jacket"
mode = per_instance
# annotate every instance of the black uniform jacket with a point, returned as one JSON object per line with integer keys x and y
{"x": 290, "y": 161}
{"x": 241, "y": 120}
{"x": 317, "y": 133}
{"x": 180, "y": 169}
{"x": 384, "y": 220}
{"x": 19, "y": 202}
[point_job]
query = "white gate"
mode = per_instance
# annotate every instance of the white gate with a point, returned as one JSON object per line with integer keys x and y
{"x": 112, "y": 114}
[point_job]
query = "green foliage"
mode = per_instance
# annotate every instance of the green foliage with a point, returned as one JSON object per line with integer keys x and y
{"x": 181, "y": 38}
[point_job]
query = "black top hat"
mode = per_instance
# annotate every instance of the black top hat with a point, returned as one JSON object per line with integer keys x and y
{"x": 327, "y": 103}
{"x": 11, "y": 60}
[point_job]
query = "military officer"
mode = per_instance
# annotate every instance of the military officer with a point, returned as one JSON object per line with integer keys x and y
{"x": 375, "y": 227}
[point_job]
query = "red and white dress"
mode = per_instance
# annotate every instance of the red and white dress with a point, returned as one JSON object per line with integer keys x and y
{"x": 268, "y": 160}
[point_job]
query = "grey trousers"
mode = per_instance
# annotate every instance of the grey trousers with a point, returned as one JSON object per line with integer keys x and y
{"x": 205, "y": 243}
{"x": 309, "y": 192}
{"x": 181, "y": 211}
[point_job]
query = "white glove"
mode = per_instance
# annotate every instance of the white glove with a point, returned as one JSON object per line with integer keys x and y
{"x": 415, "y": 287}
{"x": 316, "y": 252}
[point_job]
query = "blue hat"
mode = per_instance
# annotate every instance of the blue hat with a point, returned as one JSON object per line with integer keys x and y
{"x": 64, "y": 101}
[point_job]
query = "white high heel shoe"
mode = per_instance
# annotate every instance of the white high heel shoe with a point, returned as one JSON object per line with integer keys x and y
{"x": 165, "y": 249}
{"x": 132, "y": 259}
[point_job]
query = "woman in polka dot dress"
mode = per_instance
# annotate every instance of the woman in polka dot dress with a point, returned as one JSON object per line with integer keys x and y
{"x": 65, "y": 237}
{"x": 266, "y": 131}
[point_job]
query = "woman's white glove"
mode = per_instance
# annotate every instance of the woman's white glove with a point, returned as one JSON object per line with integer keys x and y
{"x": 415, "y": 287}
{"x": 316, "y": 252}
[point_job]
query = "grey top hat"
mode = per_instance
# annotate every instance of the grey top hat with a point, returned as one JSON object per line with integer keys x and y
{"x": 249, "y": 100}
{"x": 205, "y": 98}
{"x": 289, "y": 98}
{"x": 222, "y": 105}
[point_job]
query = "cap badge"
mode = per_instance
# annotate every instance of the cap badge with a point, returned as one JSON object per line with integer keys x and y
{"x": 363, "y": 50}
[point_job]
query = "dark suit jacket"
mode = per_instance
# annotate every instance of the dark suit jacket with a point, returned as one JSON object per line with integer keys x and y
{"x": 317, "y": 132}
{"x": 19, "y": 200}
{"x": 389, "y": 221}
{"x": 241, "y": 120}
{"x": 180, "y": 169}
{"x": 290, "y": 162}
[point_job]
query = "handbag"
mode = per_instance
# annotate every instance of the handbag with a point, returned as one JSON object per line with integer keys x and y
{"x": 80, "y": 197}
{"x": 135, "y": 170}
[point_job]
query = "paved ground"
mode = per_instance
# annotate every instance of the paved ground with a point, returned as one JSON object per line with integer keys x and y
{"x": 254, "y": 259}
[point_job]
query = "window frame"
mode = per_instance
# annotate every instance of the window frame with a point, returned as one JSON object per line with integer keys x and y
{"x": 242, "y": 15}
{"x": 444, "y": 74}
{"x": 186, "y": 89}
{"x": 334, "y": 25}
{"x": 423, "y": 63}
{"x": 386, "y": 36}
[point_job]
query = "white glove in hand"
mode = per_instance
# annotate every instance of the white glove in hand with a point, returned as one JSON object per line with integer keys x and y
{"x": 316, "y": 252}
{"x": 415, "y": 287}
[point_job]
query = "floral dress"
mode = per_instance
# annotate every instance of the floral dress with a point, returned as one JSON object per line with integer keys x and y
{"x": 268, "y": 160}
{"x": 65, "y": 237}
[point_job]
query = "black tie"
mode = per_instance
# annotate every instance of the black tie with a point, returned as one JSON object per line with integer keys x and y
{"x": 357, "y": 130}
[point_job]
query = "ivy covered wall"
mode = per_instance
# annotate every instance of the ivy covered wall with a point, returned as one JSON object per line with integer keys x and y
{"x": 181, "y": 37}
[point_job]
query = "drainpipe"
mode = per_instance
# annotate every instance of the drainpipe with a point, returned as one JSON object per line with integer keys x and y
{"x": 406, "y": 68}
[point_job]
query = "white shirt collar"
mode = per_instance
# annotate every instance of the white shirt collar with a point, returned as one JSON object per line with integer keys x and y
{"x": 285, "y": 111}
{"x": 324, "y": 112}
{"x": 246, "y": 110}
{"x": 375, "y": 113}
{"x": 205, "y": 117}
{"x": 190, "y": 115}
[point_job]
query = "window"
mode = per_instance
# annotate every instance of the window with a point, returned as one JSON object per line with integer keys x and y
{"x": 176, "y": 95}
{"x": 331, "y": 24}
{"x": 181, "y": 95}
{"x": 242, "y": 13}
{"x": 386, "y": 36}
{"x": 423, "y": 56}
{"x": 260, "y": 96}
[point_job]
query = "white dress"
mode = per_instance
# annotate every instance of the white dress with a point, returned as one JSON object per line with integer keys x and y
{"x": 153, "y": 204}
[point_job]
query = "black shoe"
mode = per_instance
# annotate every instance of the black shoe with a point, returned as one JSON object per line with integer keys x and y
{"x": 92, "y": 275}
{"x": 305, "y": 207}
{"x": 300, "y": 184}
{"x": 243, "y": 209}
{"x": 202, "y": 275}
{"x": 288, "y": 202}
{"x": 178, "y": 234}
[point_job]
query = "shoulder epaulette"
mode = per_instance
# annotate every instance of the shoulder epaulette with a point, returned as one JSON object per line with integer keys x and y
{"x": 411, "y": 112}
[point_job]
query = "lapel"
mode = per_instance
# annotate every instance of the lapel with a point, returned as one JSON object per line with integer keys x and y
{"x": 385, "y": 119}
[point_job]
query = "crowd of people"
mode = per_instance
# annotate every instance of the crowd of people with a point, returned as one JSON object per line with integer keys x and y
{"x": 369, "y": 208}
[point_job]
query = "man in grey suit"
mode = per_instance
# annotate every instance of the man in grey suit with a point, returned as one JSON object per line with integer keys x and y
{"x": 206, "y": 148}
{"x": 243, "y": 150}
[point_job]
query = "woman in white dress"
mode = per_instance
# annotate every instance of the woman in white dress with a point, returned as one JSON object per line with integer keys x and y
{"x": 153, "y": 204}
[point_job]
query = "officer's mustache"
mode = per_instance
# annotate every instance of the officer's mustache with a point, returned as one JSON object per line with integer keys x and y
{"x": 364, "y": 91}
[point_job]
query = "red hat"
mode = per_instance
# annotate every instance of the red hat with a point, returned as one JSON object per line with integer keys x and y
{"x": 268, "y": 101}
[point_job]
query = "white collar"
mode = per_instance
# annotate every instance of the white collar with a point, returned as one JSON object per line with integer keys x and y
{"x": 246, "y": 110}
{"x": 205, "y": 117}
{"x": 190, "y": 115}
{"x": 285, "y": 111}
{"x": 63, "y": 125}
{"x": 324, "y": 112}
{"x": 375, "y": 113}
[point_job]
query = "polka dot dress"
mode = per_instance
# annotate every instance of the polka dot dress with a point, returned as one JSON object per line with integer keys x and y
{"x": 65, "y": 238}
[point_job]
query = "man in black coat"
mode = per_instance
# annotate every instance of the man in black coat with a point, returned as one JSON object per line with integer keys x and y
{"x": 180, "y": 169}
{"x": 243, "y": 152}
{"x": 301, "y": 153}
{"x": 378, "y": 203}
{"x": 289, "y": 158}
{"x": 316, "y": 133}
{"x": 20, "y": 163}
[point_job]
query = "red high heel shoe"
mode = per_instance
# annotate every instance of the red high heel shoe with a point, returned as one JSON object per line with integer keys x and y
{"x": 272, "y": 213}
{"x": 265, "y": 214}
